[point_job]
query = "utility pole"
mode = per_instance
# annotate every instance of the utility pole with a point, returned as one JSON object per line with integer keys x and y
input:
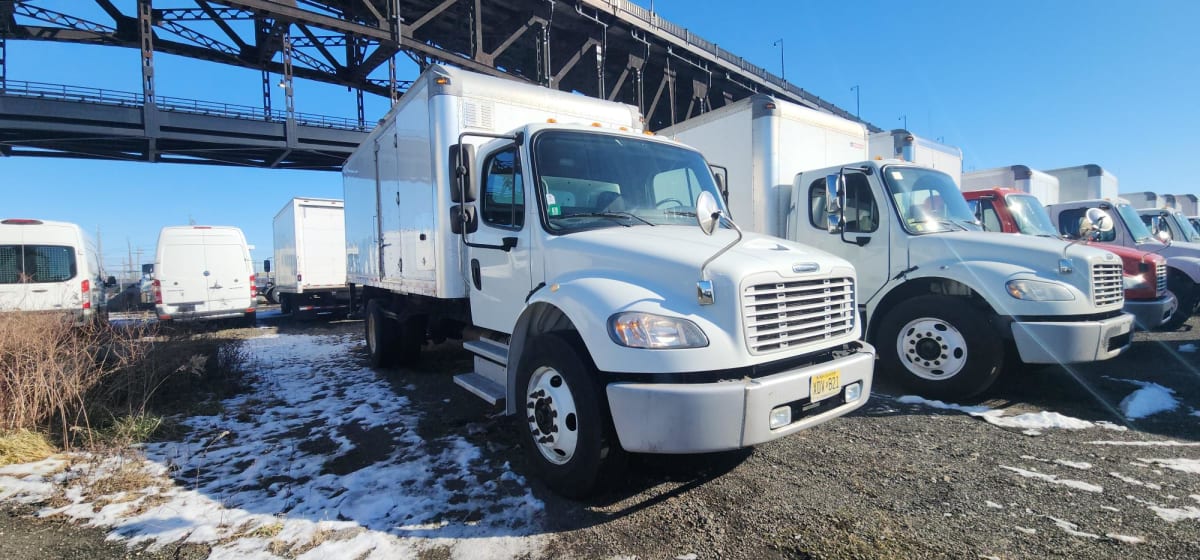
{"x": 904, "y": 118}
{"x": 782, "y": 67}
{"x": 857, "y": 108}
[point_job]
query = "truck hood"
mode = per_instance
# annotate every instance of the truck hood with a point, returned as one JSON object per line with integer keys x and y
{"x": 1039, "y": 254}
{"x": 674, "y": 254}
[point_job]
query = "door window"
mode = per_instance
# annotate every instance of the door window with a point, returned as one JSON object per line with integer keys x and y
{"x": 36, "y": 264}
{"x": 987, "y": 213}
{"x": 503, "y": 202}
{"x": 860, "y": 211}
{"x": 1069, "y": 222}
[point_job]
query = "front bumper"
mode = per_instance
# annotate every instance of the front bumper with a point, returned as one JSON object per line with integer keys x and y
{"x": 166, "y": 315}
{"x": 705, "y": 417}
{"x": 1150, "y": 313}
{"x": 1067, "y": 342}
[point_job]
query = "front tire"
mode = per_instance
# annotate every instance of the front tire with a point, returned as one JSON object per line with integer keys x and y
{"x": 565, "y": 426}
{"x": 940, "y": 348}
{"x": 1187, "y": 295}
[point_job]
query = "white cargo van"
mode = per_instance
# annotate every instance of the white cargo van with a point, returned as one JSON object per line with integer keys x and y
{"x": 51, "y": 266}
{"x": 203, "y": 272}
{"x": 310, "y": 257}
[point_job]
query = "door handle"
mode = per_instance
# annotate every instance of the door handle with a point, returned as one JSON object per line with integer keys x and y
{"x": 41, "y": 291}
{"x": 476, "y": 276}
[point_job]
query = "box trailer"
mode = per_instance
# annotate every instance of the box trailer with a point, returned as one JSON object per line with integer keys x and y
{"x": 1084, "y": 182}
{"x": 310, "y": 257}
{"x": 945, "y": 304}
{"x": 550, "y": 226}
{"x": 1042, "y": 186}
{"x": 1187, "y": 204}
{"x": 904, "y": 145}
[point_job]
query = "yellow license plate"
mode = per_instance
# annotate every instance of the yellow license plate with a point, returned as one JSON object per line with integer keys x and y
{"x": 825, "y": 385}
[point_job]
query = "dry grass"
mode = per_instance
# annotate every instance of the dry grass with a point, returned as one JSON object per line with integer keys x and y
{"x": 23, "y": 446}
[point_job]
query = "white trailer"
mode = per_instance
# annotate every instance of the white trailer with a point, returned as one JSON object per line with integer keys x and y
{"x": 756, "y": 150}
{"x": 1187, "y": 204}
{"x": 310, "y": 257}
{"x": 1084, "y": 182}
{"x": 567, "y": 239}
{"x": 945, "y": 304}
{"x": 1019, "y": 177}
{"x": 904, "y": 145}
{"x": 1144, "y": 199}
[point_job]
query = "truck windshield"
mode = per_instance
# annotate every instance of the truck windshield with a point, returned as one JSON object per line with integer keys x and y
{"x": 1030, "y": 215}
{"x": 928, "y": 201}
{"x": 592, "y": 180}
{"x": 1184, "y": 226}
{"x": 1137, "y": 229}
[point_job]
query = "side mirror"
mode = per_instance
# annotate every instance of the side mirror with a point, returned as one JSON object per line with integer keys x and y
{"x": 147, "y": 269}
{"x": 1098, "y": 220}
{"x": 267, "y": 265}
{"x": 463, "y": 219}
{"x": 708, "y": 214}
{"x": 721, "y": 176}
{"x": 977, "y": 211}
{"x": 110, "y": 282}
{"x": 461, "y": 161}
{"x": 833, "y": 202}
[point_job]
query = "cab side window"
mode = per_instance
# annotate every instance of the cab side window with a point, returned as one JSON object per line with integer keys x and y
{"x": 503, "y": 203}
{"x": 988, "y": 215}
{"x": 860, "y": 211}
{"x": 1069, "y": 222}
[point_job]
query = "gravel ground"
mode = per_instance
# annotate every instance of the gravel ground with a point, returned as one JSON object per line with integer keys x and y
{"x": 892, "y": 480}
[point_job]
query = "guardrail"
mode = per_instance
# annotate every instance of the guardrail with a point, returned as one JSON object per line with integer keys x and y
{"x": 99, "y": 96}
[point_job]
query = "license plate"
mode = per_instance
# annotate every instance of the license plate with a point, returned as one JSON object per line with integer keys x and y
{"x": 825, "y": 385}
{"x": 186, "y": 308}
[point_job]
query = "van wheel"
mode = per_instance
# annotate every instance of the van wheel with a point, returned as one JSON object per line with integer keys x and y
{"x": 250, "y": 320}
{"x": 285, "y": 304}
{"x": 567, "y": 433}
{"x": 940, "y": 348}
{"x": 1186, "y": 293}
{"x": 381, "y": 336}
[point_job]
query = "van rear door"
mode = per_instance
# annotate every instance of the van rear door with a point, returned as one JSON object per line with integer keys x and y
{"x": 181, "y": 274}
{"x": 323, "y": 258}
{"x": 228, "y": 277}
{"x": 39, "y": 269}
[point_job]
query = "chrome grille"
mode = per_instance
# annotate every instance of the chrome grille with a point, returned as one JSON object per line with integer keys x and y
{"x": 1107, "y": 287}
{"x": 1161, "y": 275}
{"x": 781, "y": 315}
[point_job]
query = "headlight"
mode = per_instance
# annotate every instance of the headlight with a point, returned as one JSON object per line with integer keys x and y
{"x": 645, "y": 330}
{"x": 1134, "y": 282}
{"x": 1033, "y": 290}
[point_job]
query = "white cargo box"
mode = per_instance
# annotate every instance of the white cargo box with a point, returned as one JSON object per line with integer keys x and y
{"x": 397, "y": 183}
{"x": 902, "y": 144}
{"x": 1084, "y": 182}
{"x": 310, "y": 246}
{"x": 1041, "y": 185}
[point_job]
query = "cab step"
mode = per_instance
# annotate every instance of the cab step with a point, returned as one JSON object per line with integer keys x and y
{"x": 481, "y": 386}
{"x": 490, "y": 377}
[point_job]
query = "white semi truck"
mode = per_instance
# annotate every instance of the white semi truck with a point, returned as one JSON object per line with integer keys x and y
{"x": 1023, "y": 178}
{"x": 904, "y": 145}
{"x": 946, "y": 305}
{"x": 551, "y": 225}
{"x": 310, "y": 257}
{"x": 1084, "y": 182}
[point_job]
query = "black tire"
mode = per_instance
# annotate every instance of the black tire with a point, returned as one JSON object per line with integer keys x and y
{"x": 273, "y": 295}
{"x": 1187, "y": 294}
{"x": 250, "y": 320}
{"x": 959, "y": 334}
{"x": 596, "y": 456}
{"x": 285, "y": 304}
{"x": 381, "y": 336}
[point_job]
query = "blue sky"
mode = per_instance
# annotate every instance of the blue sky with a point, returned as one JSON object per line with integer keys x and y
{"x": 1047, "y": 83}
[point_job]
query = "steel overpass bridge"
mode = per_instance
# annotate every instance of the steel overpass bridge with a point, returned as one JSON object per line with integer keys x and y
{"x": 611, "y": 49}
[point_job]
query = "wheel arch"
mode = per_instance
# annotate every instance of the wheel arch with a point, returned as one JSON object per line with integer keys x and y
{"x": 929, "y": 285}
{"x": 537, "y": 319}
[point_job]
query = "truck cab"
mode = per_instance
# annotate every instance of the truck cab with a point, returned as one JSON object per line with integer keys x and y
{"x": 1129, "y": 230}
{"x": 946, "y": 304}
{"x": 1144, "y": 274}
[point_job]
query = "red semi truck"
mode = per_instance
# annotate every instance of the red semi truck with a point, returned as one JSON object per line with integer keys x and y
{"x": 1145, "y": 273}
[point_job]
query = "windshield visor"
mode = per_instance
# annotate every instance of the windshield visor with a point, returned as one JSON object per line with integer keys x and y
{"x": 928, "y": 201}
{"x": 590, "y": 180}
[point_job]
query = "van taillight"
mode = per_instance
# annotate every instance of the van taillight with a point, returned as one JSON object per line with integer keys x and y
{"x": 253, "y": 287}
{"x": 85, "y": 288}
{"x": 157, "y": 293}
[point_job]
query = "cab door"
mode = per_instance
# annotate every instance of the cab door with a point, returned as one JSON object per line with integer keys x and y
{"x": 498, "y": 252}
{"x": 863, "y": 239}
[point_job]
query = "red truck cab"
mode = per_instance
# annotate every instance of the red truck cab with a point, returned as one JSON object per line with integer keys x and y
{"x": 1145, "y": 273}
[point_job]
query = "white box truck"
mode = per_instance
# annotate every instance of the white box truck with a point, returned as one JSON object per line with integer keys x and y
{"x": 608, "y": 321}
{"x": 1144, "y": 199}
{"x": 946, "y": 305}
{"x": 904, "y": 145}
{"x": 1187, "y": 203}
{"x": 1023, "y": 178}
{"x": 310, "y": 257}
{"x": 51, "y": 266}
{"x": 1084, "y": 182}
{"x": 204, "y": 273}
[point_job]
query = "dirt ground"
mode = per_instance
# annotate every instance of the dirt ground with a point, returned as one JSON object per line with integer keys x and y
{"x": 892, "y": 480}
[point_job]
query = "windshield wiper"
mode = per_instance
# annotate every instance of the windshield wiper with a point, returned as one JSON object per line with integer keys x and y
{"x": 613, "y": 215}
{"x": 684, "y": 213}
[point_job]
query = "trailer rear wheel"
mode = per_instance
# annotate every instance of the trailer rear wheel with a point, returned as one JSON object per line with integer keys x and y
{"x": 381, "y": 336}
{"x": 565, "y": 425}
{"x": 940, "y": 348}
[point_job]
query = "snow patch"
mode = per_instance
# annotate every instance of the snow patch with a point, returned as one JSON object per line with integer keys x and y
{"x": 1151, "y": 399}
{"x": 1081, "y": 465}
{"x": 993, "y": 505}
{"x": 1165, "y": 443}
{"x": 1134, "y": 481}
{"x": 1173, "y": 515}
{"x": 1187, "y": 347}
{"x": 1031, "y": 423}
{"x": 1025, "y": 530}
{"x": 1125, "y": 538}
{"x": 1182, "y": 465}
{"x": 1076, "y": 484}
{"x": 1071, "y": 528}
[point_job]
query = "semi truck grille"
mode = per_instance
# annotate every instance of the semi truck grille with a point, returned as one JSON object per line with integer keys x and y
{"x": 1161, "y": 275}
{"x": 783, "y": 315}
{"x": 1106, "y": 284}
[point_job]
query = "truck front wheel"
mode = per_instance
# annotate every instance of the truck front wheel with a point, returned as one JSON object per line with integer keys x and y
{"x": 565, "y": 429}
{"x": 381, "y": 336}
{"x": 1186, "y": 294}
{"x": 940, "y": 348}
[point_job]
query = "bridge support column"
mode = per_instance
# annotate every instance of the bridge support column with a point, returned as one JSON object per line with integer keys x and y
{"x": 393, "y": 22}
{"x": 149, "y": 108}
